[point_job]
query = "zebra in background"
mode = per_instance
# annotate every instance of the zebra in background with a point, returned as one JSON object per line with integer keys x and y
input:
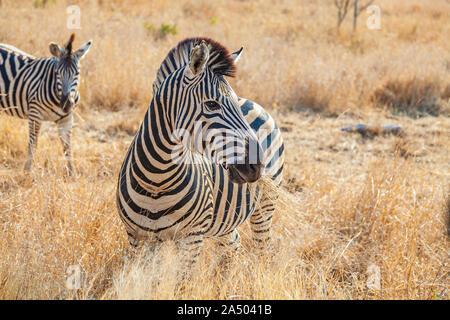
{"x": 174, "y": 185}
{"x": 43, "y": 89}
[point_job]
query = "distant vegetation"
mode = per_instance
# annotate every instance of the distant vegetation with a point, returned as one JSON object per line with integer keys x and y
{"x": 359, "y": 218}
{"x": 163, "y": 31}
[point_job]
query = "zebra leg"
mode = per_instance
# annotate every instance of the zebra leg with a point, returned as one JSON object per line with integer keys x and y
{"x": 33, "y": 126}
{"x": 65, "y": 132}
{"x": 134, "y": 239}
{"x": 261, "y": 221}
{"x": 231, "y": 243}
{"x": 231, "y": 240}
{"x": 190, "y": 248}
{"x": 135, "y": 235}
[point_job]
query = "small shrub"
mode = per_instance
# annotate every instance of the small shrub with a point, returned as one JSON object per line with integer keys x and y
{"x": 163, "y": 31}
{"x": 446, "y": 93}
{"x": 311, "y": 96}
{"x": 42, "y": 3}
{"x": 413, "y": 97}
{"x": 168, "y": 29}
{"x": 148, "y": 26}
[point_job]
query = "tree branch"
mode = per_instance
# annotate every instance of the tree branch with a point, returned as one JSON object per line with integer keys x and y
{"x": 364, "y": 7}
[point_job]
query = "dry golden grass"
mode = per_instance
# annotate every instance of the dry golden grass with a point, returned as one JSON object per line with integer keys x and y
{"x": 348, "y": 205}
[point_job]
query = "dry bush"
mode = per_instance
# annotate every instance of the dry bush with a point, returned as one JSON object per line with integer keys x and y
{"x": 448, "y": 215}
{"x": 348, "y": 204}
{"x": 11, "y": 141}
{"x": 413, "y": 97}
{"x": 446, "y": 93}
{"x": 311, "y": 96}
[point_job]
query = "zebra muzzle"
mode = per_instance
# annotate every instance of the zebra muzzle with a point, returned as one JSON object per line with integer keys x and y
{"x": 66, "y": 103}
{"x": 244, "y": 173}
{"x": 251, "y": 169}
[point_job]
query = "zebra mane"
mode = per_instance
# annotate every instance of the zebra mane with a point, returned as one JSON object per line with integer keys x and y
{"x": 219, "y": 62}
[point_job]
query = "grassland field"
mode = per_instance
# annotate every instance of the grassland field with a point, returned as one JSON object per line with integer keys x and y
{"x": 358, "y": 217}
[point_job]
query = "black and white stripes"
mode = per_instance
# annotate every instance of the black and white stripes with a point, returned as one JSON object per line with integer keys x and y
{"x": 40, "y": 90}
{"x": 187, "y": 174}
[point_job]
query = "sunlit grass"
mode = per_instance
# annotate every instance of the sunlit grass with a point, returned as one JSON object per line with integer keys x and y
{"x": 347, "y": 203}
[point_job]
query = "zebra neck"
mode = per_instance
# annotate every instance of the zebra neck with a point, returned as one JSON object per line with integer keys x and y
{"x": 159, "y": 160}
{"x": 45, "y": 89}
{"x": 52, "y": 96}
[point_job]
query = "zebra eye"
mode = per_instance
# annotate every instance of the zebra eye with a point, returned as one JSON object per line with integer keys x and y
{"x": 212, "y": 105}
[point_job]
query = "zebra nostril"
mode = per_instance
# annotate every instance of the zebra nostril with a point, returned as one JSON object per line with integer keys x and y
{"x": 254, "y": 171}
{"x": 253, "y": 168}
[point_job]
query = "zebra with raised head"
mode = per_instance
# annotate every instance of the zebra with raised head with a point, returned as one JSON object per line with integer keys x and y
{"x": 44, "y": 89}
{"x": 189, "y": 170}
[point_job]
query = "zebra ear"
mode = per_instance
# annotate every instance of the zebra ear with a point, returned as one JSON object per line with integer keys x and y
{"x": 68, "y": 47}
{"x": 55, "y": 50}
{"x": 80, "y": 53}
{"x": 198, "y": 58}
{"x": 236, "y": 55}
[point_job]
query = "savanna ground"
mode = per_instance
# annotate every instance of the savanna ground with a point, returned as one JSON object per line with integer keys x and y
{"x": 352, "y": 208}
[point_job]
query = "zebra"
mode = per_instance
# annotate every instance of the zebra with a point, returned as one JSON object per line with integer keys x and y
{"x": 172, "y": 186}
{"x": 42, "y": 89}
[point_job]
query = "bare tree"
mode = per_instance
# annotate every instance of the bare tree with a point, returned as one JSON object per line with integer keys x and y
{"x": 342, "y": 6}
{"x": 357, "y": 10}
